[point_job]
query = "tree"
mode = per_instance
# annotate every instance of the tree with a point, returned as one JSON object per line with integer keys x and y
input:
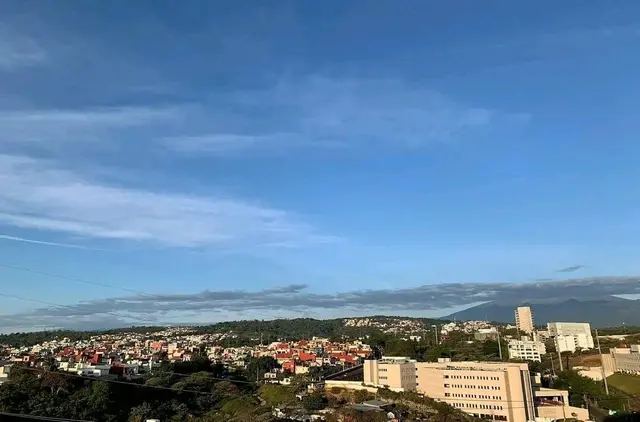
{"x": 257, "y": 367}
{"x": 361, "y": 396}
{"x": 141, "y": 413}
{"x": 56, "y": 382}
{"x": 314, "y": 402}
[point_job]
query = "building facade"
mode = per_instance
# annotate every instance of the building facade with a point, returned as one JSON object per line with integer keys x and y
{"x": 573, "y": 343}
{"x": 483, "y": 389}
{"x": 623, "y": 359}
{"x": 524, "y": 319}
{"x": 568, "y": 328}
{"x": 571, "y": 336}
{"x": 394, "y": 373}
{"x": 526, "y": 350}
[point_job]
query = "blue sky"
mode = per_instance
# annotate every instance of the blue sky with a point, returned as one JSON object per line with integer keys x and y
{"x": 357, "y": 146}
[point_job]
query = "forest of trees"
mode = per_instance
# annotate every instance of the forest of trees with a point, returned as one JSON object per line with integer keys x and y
{"x": 190, "y": 391}
{"x": 31, "y": 338}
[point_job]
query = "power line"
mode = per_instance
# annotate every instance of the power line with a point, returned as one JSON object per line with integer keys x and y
{"x": 157, "y": 387}
{"x": 94, "y": 283}
{"x": 41, "y": 418}
{"x": 74, "y": 279}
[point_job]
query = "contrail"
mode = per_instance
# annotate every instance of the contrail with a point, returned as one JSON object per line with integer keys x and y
{"x": 41, "y": 242}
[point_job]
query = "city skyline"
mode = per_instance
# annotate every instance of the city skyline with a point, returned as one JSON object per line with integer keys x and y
{"x": 244, "y": 160}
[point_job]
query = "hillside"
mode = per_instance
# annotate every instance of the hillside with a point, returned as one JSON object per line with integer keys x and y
{"x": 605, "y": 312}
{"x": 250, "y": 331}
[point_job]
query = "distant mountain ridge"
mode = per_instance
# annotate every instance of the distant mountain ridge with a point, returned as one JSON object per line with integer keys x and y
{"x": 609, "y": 311}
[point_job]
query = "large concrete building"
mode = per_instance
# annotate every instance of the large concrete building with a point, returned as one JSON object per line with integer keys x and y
{"x": 571, "y": 336}
{"x": 484, "y": 389}
{"x": 568, "y": 328}
{"x": 526, "y": 350}
{"x": 623, "y": 359}
{"x": 500, "y": 391}
{"x": 394, "y": 373}
{"x": 524, "y": 319}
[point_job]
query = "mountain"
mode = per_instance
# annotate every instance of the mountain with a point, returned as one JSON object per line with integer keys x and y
{"x": 608, "y": 311}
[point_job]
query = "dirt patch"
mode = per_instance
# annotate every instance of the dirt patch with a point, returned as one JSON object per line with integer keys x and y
{"x": 586, "y": 360}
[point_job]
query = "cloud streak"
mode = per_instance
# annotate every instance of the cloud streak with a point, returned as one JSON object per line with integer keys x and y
{"x": 18, "y": 51}
{"x": 571, "y": 269}
{"x": 297, "y": 298}
{"x": 55, "y": 128}
{"x": 38, "y": 195}
{"x": 41, "y": 242}
{"x": 327, "y": 112}
{"x": 308, "y": 112}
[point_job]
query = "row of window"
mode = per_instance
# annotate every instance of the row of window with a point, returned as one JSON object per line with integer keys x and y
{"x": 477, "y": 406}
{"x": 472, "y": 377}
{"x": 473, "y": 387}
{"x": 473, "y": 396}
{"x": 490, "y": 417}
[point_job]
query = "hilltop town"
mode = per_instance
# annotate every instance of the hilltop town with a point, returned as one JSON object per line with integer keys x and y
{"x": 350, "y": 370}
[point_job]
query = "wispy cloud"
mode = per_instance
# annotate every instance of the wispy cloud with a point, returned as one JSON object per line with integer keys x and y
{"x": 570, "y": 269}
{"x": 18, "y": 51}
{"x": 319, "y": 112}
{"x": 307, "y": 112}
{"x": 36, "y": 194}
{"x": 53, "y": 128}
{"x": 42, "y": 242}
{"x": 296, "y": 298}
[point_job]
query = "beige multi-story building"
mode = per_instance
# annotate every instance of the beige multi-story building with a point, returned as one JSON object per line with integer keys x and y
{"x": 524, "y": 319}
{"x": 395, "y": 373}
{"x": 499, "y": 391}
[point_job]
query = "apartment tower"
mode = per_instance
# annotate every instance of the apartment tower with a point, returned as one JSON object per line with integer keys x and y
{"x": 524, "y": 319}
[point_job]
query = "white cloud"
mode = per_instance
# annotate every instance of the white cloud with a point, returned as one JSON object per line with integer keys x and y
{"x": 36, "y": 194}
{"x": 18, "y": 51}
{"x": 41, "y": 242}
{"x": 311, "y": 112}
{"x": 51, "y": 128}
{"x": 320, "y": 112}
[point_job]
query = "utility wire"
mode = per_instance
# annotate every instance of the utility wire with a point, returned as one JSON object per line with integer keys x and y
{"x": 157, "y": 387}
{"x": 94, "y": 283}
{"x": 74, "y": 279}
{"x": 41, "y": 418}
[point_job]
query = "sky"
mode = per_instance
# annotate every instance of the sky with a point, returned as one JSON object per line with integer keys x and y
{"x": 165, "y": 162}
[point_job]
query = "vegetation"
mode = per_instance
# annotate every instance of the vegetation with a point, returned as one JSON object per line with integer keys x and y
{"x": 408, "y": 405}
{"x": 314, "y": 402}
{"x": 581, "y": 388}
{"x": 457, "y": 346}
{"x": 245, "y": 332}
{"x": 619, "y": 330}
{"x": 629, "y": 384}
{"x": 197, "y": 397}
{"x": 300, "y": 328}
{"x": 277, "y": 395}
{"x": 32, "y": 338}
